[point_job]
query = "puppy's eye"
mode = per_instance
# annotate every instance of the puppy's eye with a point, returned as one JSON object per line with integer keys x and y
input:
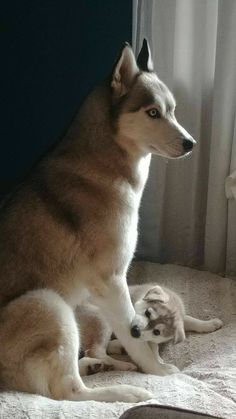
{"x": 153, "y": 113}
{"x": 147, "y": 313}
{"x": 156, "y": 332}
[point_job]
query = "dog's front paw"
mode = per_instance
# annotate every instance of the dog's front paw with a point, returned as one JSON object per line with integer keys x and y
{"x": 168, "y": 369}
{"x": 131, "y": 394}
{"x": 216, "y": 324}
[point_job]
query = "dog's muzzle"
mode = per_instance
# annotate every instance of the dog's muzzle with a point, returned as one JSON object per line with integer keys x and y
{"x": 135, "y": 331}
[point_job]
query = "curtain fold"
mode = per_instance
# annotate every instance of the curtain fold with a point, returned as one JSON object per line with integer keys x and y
{"x": 185, "y": 215}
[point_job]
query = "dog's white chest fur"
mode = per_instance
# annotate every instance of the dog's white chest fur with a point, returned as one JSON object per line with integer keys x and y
{"x": 125, "y": 225}
{"x": 120, "y": 233}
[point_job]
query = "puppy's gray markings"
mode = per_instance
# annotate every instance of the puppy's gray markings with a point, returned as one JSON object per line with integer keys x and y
{"x": 162, "y": 318}
{"x": 70, "y": 231}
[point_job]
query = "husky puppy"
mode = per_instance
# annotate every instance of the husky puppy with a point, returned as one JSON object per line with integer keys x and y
{"x": 70, "y": 230}
{"x": 163, "y": 319}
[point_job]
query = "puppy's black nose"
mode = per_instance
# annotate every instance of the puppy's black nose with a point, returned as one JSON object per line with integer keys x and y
{"x": 187, "y": 144}
{"x": 135, "y": 332}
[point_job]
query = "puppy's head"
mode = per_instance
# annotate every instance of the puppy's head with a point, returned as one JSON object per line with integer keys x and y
{"x": 160, "y": 319}
{"x": 145, "y": 108}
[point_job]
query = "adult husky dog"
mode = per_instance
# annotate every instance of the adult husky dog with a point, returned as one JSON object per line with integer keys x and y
{"x": 70, "y": 230}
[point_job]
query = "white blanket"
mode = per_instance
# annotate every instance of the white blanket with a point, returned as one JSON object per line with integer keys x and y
{"x": 207, "y": 382}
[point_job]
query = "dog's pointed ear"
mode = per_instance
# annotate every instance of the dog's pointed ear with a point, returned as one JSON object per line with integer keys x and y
{"x": 144, "y": 59}
{"x": 124, "y": 71}
{"x": 157, "y": 294}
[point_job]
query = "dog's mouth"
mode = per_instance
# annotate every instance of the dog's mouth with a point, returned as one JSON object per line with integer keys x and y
{"x": 172, "y": 155}
{"x": 173, "y": 151}
{"x": 156, "y": 150}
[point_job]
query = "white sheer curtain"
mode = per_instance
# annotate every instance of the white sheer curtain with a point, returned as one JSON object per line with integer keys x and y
{"x": 187, "y": 216}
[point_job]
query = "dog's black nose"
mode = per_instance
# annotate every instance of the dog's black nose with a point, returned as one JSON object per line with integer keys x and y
{"x": 135, "y": 332}
{"x": 187, "y": 144}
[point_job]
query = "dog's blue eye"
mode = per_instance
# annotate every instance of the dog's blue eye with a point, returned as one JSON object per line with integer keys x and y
{"x": 156, "y": 332}
{"x": 153, "y": 113}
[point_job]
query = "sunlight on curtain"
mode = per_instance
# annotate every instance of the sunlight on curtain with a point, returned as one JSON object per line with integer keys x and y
{"x": 185, "y": 215}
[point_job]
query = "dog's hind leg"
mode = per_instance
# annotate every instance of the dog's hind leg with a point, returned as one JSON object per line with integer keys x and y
{"x": 39, "y": 351}
{"x": 201, "y": 326}
{"x": 114, "y": 300}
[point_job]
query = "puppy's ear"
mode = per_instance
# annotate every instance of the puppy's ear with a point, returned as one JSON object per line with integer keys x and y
{"x": 124, "y": 71}
{"x": 144, "y": 59}
{"x": 157, "y": 294}
{"x": 179, "y": 332}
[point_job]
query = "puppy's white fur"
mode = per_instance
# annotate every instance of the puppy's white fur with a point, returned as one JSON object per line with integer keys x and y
{"x": 166, "y": 313}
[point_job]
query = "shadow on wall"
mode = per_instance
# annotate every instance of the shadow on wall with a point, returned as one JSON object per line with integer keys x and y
{"x": 53, "y": 53}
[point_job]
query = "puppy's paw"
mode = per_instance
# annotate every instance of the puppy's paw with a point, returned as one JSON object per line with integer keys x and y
{"x": 129, "y": 394}
{"x": 216, "y": 324}
{"x": 89, "y": 366}
{"x": 129, "y": 366}
{"x": 99, "y": 367}
{"x": 122, "y": 365}
{"x": 168, "y": 369}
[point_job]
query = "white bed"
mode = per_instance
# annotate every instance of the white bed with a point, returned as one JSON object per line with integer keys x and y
{"x": 207, "y": 382}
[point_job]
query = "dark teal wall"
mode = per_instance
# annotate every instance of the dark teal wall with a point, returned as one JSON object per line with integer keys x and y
{"x": 52, "y": 53}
